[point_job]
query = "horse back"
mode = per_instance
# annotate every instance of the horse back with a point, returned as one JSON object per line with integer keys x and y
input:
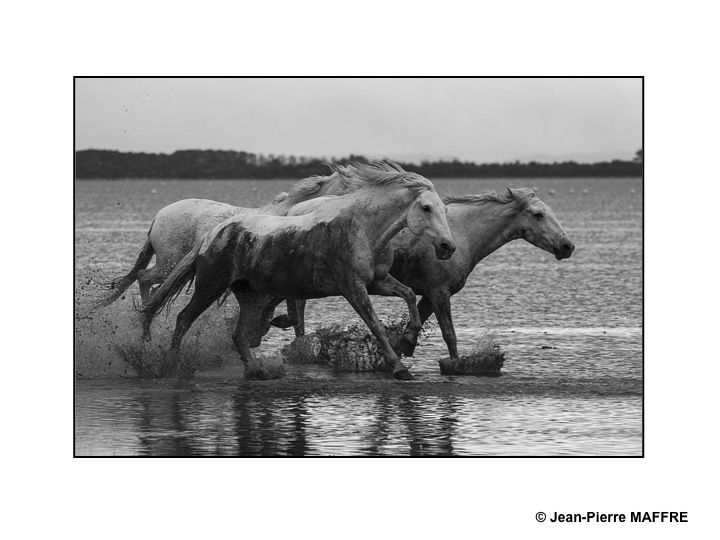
{"x": 293, "y": 257}
{"x": 178, "y": 226}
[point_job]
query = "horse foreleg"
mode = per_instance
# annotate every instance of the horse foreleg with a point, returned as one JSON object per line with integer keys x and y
{"x": 424, "y": 310}
{"x": 357, "y": 295}
{"x": 389, "y": 286}
{"x": 296, "y": 310}
{"x": 441, "y": 306}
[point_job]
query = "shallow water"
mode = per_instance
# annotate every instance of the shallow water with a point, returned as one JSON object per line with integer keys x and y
{"x": 571, "y": 384}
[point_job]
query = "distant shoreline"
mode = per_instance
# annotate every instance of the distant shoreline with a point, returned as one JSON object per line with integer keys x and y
{"x": 232, "y": 165}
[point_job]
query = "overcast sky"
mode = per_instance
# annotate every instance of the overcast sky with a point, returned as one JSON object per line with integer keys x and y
{"x": 473, "y": 119}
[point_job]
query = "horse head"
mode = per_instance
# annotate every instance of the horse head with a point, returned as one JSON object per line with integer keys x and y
{"x": 539, "y": 226}
{"x": 427, "y": 218}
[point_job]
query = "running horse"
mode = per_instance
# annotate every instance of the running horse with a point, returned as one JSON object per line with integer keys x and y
{"x": 337, "y": 248}
{"x": 178, "y": 226}
{"x": 480, "y": 224}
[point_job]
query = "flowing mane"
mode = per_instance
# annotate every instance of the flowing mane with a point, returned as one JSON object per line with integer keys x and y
{"x": 307, "y": 187}
{"x": 491, "y": 196}
{"x": 381, "y": 173}
{"x": 355, "y": 176}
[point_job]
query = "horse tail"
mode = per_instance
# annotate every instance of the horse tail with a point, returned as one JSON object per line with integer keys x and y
{"x": 182, "y": 274}
{"x": 120, "y": 285}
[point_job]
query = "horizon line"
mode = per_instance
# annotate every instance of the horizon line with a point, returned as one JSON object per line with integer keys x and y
{"x": 407, "y": 158}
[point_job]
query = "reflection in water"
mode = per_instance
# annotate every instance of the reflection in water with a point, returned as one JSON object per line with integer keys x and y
{"x": 366, "y": 417}
{"x": 276, "y": 429}
{"x": 425, "y": 424}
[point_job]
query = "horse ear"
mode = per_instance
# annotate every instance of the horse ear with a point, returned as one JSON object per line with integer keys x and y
{"x": 520, "y": 194}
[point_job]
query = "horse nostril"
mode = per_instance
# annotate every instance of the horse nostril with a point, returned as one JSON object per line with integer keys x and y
{"x": 567, "y": 246}
{"x": 447, "y": 248}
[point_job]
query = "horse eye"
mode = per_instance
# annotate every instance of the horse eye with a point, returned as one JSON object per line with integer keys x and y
{"x": 426, "y": 208}
{"x": 539, "y": 215}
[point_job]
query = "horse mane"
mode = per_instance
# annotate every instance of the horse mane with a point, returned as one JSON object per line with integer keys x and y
{"x": 383, "y": 173}
{"x": 355, "y": 176}
{"x": 307, "y": 187}
{"x": 520, "y": 194}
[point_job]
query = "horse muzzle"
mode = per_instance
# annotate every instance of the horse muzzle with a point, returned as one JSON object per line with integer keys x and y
{"x": 444, "y": 250}
{"x": 564, "y": 250}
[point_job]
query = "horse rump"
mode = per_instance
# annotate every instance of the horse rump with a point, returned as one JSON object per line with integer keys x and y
{"x": 182, "y": 274}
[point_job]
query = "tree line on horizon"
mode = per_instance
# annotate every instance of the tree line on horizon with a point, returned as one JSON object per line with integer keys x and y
{"x": 229, "y": 164}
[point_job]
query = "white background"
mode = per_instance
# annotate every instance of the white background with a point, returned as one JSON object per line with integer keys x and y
{"x": 47, "y": 493}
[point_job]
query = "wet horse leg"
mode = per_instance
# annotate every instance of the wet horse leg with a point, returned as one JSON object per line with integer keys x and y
{"x": 296, "y": 310}
{"x": 295, "y": 317}
{"x": 146, "y": 279}
{"x": 389, "y": 286}
{"x": 246, "y": 332}
{"x": 208, "y": 288}
{"x": 146, "y": 322}
{"x": 424, "y": 310}
{"x": 441, "y": 306}
{"x": 356, "y": 294}
{"x": 256, "y": 314}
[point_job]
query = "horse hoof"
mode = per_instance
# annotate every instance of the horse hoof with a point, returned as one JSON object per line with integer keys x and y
{"x": 283, "y": 321}
{"x": 403, "y": 375}
{"x": 446, "y": 366}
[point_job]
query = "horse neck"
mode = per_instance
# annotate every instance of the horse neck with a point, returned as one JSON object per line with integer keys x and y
{"x": 482, "y": 227}
{"x": 383, "y": 214}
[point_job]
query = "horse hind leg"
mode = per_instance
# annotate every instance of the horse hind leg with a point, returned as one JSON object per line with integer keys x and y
{"x": 146, "y": 279}
{"x": 441, "y": 307}
{"x": 248, "y": 331}
{"x": 206, "y": 292}
{"x": 253, "y": 369}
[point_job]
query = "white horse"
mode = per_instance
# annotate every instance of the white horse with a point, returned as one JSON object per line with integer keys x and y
{"x": 177, "y": 227}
